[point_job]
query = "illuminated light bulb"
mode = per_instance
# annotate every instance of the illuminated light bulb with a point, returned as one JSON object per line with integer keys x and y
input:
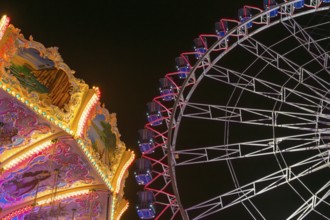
{"x": 27, "y": 155}
{"x": 85, "y": 113}
{"x": 4, "y": 22}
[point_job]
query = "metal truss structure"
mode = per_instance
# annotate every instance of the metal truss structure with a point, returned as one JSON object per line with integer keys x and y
{"x": 251, "y": 102}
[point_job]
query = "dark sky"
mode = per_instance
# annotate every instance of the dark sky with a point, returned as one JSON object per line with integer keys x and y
{"x": 123, "y": 47}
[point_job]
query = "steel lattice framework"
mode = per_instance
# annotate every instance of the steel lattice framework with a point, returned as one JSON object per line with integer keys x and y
{"x": 262, "y": 86}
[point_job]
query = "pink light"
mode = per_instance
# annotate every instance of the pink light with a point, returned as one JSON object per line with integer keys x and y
{"x": 185, "y": 58}
{"x": 187, "y": 53}
{"x": 253, "y": 7}
{"x": 166, "y": 207}
{"x": 18, "y": 212}
{"x": 157, "y": 161}
{"x": 153, "y": 180}
{"x": 28, "y": 155}
{"x": 230, "y": 20}
{"x": 159, "y": 134}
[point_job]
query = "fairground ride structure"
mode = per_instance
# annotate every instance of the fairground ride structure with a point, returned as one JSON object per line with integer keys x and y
{"x": 61, "y": 156}
{"x": 241, "y": 129}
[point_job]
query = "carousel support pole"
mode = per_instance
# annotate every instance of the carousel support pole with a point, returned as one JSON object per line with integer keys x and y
{"x": 91, "y": 204}
{"x": 35, "y": 199}
{"x": 108, "y": 206}
{"x": 73, "y": 213}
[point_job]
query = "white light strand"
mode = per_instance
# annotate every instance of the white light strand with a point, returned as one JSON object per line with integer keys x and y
{"x": 37, "y": 149}
{"x": 85, "y": 114}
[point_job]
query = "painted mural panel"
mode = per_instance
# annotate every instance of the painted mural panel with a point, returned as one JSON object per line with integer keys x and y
{"x": 91, "y": 206}
{"x": 18, "y": 124}
{"x": 57, "y": 167}
{"x": 39, "y": 74}
{"x": 41, "y": 156}
{"x": 102, "y": 136}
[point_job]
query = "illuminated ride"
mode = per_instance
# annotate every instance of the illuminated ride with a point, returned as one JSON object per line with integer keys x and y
{"x": 61, "y": 156}
{"x": 241, "y": 129}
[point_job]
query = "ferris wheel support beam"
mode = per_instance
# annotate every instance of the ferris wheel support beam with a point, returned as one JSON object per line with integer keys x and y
{"x": 291, "y": 69}
{"x": 286, "y": 66}
{"x": 273, "y": 118}
{"x": 275, "y": 92}
{"x": 312, "y": 202}
{"x": 185, "y": 94}
{"x": 270, "y": 146}
{"x": 172, "y": 203}
{"x": 262, "y": 185}
{"x": 308, "y": 43}
{"x": 168, "y": 200}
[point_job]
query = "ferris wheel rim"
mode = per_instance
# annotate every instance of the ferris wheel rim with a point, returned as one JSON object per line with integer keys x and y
{"x": 172, "y": 131}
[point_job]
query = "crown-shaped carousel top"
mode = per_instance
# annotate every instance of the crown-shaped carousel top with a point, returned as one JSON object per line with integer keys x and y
{"x": 55, "y": 136}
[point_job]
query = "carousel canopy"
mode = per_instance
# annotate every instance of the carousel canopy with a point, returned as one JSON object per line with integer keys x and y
{"x": 60, "y": 150}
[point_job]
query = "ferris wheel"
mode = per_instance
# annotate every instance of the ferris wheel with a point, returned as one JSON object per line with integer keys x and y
{"x": 241, "y": 129}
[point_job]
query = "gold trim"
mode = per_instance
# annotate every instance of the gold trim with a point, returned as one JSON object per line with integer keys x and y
{"x": 30, "y": 148}
{"x": 82, "y": 108}
{"x": 120, "y": 209}
{"x": 44, "y": 198}
{"x": 126, "y": 161}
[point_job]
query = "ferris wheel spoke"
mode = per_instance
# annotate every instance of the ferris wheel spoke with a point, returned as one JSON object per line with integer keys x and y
{"x": 308, "y": 103}
{"x": 270, "y": 146}
{"x": 308, "y": 42}
{"x": 262, "y": 185}
{"x": 292, "y": 91}
{"x": 286, "y": 66}
{"x": 311, "y": 204}
{"x": 274, "y": 118}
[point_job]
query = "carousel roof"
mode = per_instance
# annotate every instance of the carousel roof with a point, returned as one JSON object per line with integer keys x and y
{"x": 60, "y": 150}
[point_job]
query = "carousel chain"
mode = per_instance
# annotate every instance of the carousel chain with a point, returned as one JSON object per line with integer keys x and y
{"x": 54, "y": 189}
{"x": 73, "y": 213}
{"x": 56, "y": 175}
{"x": 91, "y": 203}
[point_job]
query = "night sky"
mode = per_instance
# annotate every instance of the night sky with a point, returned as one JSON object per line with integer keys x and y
{"x": 123, "y": 47}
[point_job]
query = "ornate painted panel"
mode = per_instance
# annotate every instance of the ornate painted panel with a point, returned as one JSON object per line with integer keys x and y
{"x": 59, "y": 166}
{"x": 60, "y": 151}
{"x": 19, "y": 126}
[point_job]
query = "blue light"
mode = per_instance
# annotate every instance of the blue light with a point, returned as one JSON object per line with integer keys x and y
{"x": 299, "y": 4}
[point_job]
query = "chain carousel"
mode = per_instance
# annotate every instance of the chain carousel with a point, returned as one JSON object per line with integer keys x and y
{"x": 61, "y": 156}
